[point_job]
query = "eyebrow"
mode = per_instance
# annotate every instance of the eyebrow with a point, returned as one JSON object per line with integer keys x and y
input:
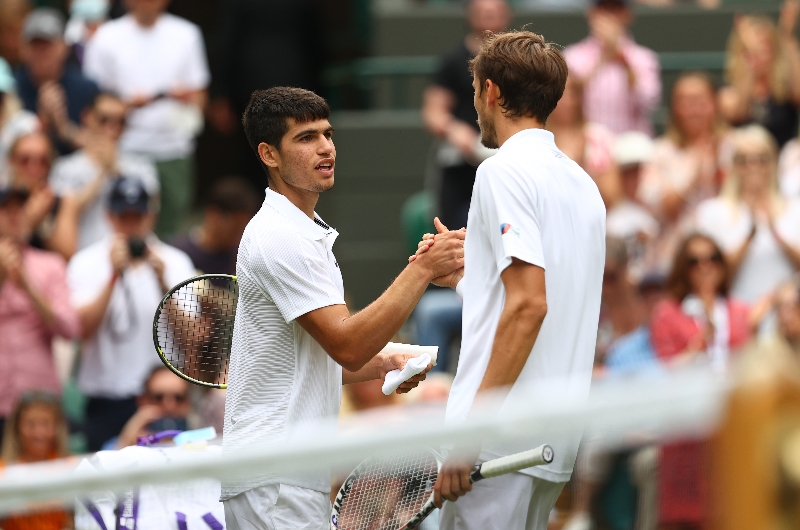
{"x": 312, "y": 131}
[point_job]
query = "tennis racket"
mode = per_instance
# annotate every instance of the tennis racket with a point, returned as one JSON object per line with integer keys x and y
{"x": 396, "y": 492}
{"x": 193, "y": 330}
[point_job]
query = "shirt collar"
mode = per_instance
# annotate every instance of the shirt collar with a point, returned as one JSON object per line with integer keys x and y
{"x": 317, "y": 229}
{"x": 538, "y": 135}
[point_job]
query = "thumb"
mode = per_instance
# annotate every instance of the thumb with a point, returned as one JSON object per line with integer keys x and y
{"x": 439, "y": 226}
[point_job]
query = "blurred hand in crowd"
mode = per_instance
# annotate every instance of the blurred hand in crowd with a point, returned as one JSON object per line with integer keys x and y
{"x": 608, "y": 22}
{"x": 10, "y": 262}
{"x": 120, "y": 254}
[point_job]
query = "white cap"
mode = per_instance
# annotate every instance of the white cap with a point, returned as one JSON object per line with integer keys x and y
{"x": 633, "y": 148}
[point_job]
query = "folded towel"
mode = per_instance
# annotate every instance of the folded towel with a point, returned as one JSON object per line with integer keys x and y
{"x": 395, "y": 378}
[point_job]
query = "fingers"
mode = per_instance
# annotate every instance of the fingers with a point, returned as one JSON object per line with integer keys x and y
{"x": 439, "y": 226}
{"x": 452, "y": 483}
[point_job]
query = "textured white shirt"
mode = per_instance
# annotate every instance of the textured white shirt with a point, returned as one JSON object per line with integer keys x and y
{"x": 120, "y": 356}
{"x": 130, "y": 60}
{"x": 74, "y": 172}
{"x": 280, "y": 378}
{"x": 532, "y": 203}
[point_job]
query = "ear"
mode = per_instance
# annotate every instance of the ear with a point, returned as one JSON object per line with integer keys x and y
{"x": 268, "y": 155}
{"x": 492, "y": 93}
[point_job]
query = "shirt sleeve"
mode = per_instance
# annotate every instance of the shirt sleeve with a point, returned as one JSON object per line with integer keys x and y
{"x": 67, "y": 324}
{"x": 97, "y": 64}
{"x": 294, "y": 272}
{"x": 646, "y": 68}
{"x": 87, "y": 276}
{"x": 198, "y": 76}
{"x": 509, "y": 209}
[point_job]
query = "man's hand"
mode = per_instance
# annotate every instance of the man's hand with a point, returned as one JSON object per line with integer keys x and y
{"x": 397, "y": 361}
{"x": 453, "y": 481}
{"x": 38, "y": 206}
{"x": 158, "y": 267}
{"x": 444, "y": 252}
{"x": 53, "y": 103}
{"x": 450, "y": 280}
{"x": 11, "y": 263}
{"x": 609, "y": 31}
{"x": 463, "y": 137}
{"x": 137, "y": 425}
{"x": 120, "y": 255}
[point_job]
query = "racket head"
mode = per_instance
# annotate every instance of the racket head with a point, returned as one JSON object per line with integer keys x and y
{"x": 385, "y": 493}
{"x": 193, "y": 328}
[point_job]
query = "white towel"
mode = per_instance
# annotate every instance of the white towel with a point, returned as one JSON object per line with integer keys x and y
{"x": 414, "y": 366}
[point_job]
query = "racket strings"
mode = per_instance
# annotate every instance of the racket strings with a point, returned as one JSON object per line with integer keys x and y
{"x": 388, "y": 492}
{"x": 195, "y": 328}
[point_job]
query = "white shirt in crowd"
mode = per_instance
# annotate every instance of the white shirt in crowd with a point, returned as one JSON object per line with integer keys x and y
{"x": 74, "y": 172}
{"x": 633, "y": 224}
{"x": 130, "y": 60}
{"x": 532, "y": 203}
{"x": 280, "y": 378}
{"x": 765, "y": 265}
{"x": 120, "y": 356}
{"x": 789, "y": 169}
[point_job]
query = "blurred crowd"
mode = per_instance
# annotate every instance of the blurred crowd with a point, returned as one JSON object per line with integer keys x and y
{"x": 98, "y": 123}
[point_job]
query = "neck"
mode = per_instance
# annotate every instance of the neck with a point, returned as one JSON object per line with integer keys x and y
{"x": 305, "y": 200}
{"x": 145, "y": 19}
{"x": 508, "y": 127}
{"x": 699, "y": 137}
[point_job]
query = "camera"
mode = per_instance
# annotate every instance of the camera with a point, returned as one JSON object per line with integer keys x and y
{"x": 137, "y": 247}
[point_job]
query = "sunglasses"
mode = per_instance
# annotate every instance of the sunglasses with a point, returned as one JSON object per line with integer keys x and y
{"x": 28, "y": 160}
{"x": 162, "y": 397}
{"x": 694, "y": 261}
{"x": 105, "y": 119}
{"x": 756, "y": 160}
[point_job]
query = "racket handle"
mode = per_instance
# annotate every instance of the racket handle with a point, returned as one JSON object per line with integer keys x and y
{"x": 412, "y": 349}
{"x": 511, "y": 463}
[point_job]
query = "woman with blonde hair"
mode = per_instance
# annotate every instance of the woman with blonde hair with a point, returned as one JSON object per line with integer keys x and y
{"x": 763, "y": 72}
{"x": 757, "y": 228}
{"x": 35, "y": 431}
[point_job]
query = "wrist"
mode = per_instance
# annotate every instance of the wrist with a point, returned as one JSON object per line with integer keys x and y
{"x": 424, "y": 273}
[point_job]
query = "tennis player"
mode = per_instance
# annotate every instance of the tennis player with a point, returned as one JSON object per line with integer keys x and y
{"x": 294, "y": 341}
{"x": 535, "y": 250}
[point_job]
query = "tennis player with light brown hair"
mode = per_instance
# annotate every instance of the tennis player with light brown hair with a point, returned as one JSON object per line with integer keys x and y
{"x": 534, "y": 256}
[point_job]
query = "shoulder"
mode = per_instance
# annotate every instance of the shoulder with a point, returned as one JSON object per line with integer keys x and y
{"x": 173, "y": 254}
{"x": 640, "y": 51}
{"x": 714, "y": 207}
{"x": 72, "y": 161}
{"x": 576, "y": 49}
{"x": 738, "y": 308}
{"x": 141, "y": 168}
{"x": 667, "y": 311}
{"x": 46, "y": 259}
{"x": 88, "y": 258}
{"x": 110, "y": 31}
{"x": 180, "y": 26}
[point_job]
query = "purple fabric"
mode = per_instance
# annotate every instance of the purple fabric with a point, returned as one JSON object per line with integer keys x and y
{"x": 212, "y": 522}
{"x": 181, "y": 520}
{"x": 95, "y": 513}
{"x": 128, "y": 510}
{"x": 151, "y": 439}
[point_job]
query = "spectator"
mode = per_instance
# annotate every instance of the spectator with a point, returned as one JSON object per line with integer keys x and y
{"x": 763, "y": 72}
{"x": 163, "y": 406}
{"x": 589, "y": 144}
{"x": 621, "y": 79}
{"x": 780, "y": 349}
{"x": 117, "y": 284}
{"x": 14, "y": 121}
{"x": 86, "y": 16}
{"x": 214, "y": 243}
{"x": 685, "y": 168}
{"x": 757, "y": 228}
{"x": 626, "y": 218}
{"x": 36, "y": 432}
{"x": 156, "y": 62}
{"x": 700, "y": 322}
{"x": 34, "y": 307}
{"x": 449, "y": 113}
{"x": 12, "y": 18}
{"x": 86, "y": 175}
{"x": 52, "y": 221}
{"x": 47, "y": 85}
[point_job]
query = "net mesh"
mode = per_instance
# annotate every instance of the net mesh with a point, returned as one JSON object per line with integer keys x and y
{"x": 388, "y": 491}
{"x": 195, "y": 328}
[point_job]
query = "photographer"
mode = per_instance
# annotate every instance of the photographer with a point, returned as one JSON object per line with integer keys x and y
{"x": 117, "y": 283}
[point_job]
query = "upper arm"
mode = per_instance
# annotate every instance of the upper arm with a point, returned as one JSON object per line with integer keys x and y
{"x": 324, "y": 324}
{"x": 525, "y": 286}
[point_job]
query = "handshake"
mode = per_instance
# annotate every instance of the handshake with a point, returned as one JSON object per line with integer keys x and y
{"x": 443, "y": 254}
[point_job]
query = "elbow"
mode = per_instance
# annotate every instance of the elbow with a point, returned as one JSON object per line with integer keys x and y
{"x": 530, "y": 309}
{"x": 347, "y": 356}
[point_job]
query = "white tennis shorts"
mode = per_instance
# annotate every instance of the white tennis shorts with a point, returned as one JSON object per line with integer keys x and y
{"x": 508, "y": 502}
{"x": 278, "y": 507}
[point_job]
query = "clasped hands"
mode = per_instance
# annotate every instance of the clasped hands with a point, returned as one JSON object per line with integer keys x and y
{"x": 454, "y": 275}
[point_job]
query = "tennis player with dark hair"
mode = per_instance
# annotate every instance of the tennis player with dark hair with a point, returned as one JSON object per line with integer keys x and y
{"x": 535, "y": 251}
{"x": 295, "y": 343}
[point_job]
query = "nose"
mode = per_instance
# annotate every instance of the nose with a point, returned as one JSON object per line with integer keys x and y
{"x": 326, "y": 146}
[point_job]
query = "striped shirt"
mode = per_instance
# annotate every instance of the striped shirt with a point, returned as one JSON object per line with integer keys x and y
{"x": 280, "y": 378}
{"x": 608, "y": 97}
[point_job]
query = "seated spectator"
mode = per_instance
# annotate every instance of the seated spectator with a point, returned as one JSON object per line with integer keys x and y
{"x": 757, "y": 228}
{"x": 587, "y": 143}
{"x": 165, "y": 81}
{"x": 52, "y": 220}
{"x": 163, "y": 406}
{"x": 116, "y": 285}
{"x": 14, "y": 121}
{"x": 35, "y": 432}
{"x": 34, "y": 307}
{"x": 47, "y": 84}
{"x": 700, "y": 322}
{"x": 763, "y": 72}
{"x": 626, "y": 218}
{"x": 685, "y": 168}
{"x": 86, "y": 175}
{"x": 780, "y": 349}
{"x": 622, "y": 82}
{"x": 214, "y": 243}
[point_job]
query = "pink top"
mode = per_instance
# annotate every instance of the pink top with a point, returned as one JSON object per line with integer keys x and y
{"x": 26, "y": 355}
{"x": 608, "y": 97}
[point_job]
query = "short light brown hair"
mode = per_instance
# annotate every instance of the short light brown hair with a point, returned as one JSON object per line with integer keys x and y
{"x": 678, "y": 283}
{"x": 530, "y": 72}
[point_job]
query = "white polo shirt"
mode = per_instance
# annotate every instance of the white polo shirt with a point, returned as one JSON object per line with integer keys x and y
{"x": 280, "y": 378}
{"x": 532, "y": 203}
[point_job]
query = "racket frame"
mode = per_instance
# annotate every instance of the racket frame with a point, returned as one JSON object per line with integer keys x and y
{"x": 539, "y": 456}
{"x": 161, "y": 305}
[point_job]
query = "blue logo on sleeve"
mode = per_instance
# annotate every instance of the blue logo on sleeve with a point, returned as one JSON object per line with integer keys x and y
{"x": 504, "y": 228}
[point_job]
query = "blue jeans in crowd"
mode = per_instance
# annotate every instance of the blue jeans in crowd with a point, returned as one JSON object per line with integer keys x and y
{"x": 437, "y": 319}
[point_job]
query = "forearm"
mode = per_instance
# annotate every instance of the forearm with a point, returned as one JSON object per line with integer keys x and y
{"x": 368, "y": 372}
{"x": 64, "y": 238}
{"x": 792, "y": 253}
{"x": 91, "y": 315}
{"x": 516, "y": 334}
{"x": 40, "y": 304}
